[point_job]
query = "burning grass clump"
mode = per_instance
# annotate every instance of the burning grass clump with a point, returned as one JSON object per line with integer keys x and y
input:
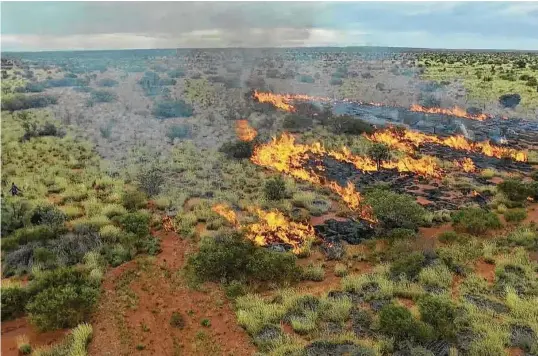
{"x": 475, "y": 221}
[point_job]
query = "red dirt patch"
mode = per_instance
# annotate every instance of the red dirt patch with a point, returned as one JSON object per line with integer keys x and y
{"x": 13, "y": 328}
{"x": 515, "y": 351}
{"x": 485, "y": 270}
{"x": 423, "y": 201}
{"x": 138, "y": 303}
{"x": 532, "y": 214}
{"x": 318, "y": 220}
{"x": 408, "y": 303}
{"x": 455, "y": 288}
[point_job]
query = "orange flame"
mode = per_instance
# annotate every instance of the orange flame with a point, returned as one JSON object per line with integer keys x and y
{"x": 286, "y": 156}
{"x": 408, "y": 141}
{"x": 466, "y": 164}
{"x": 272, "y": 227}
{"x": 244, "y": 131}
{"x": 455, "y": 111}
{"x": 226, "y": 212}
{"x": 278, "y": 100}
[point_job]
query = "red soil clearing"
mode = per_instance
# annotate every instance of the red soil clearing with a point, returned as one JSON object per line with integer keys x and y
{"x": 13, "y": 328}
{"x": 485, "y": 270}
{"x": 159, "y": 291}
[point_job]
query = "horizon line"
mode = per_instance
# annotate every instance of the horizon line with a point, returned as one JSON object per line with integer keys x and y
{"x": 261, "y": 48}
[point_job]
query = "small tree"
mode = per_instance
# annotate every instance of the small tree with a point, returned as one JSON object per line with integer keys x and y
{"x": 379, "y": 152}
{"x": 275, "y": 189}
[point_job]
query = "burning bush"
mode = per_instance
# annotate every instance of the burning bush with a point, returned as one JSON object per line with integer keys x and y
{"x": 379, "y": 152}
{"x": 475, "y": 220}
{"x": 395, "y": 210}
{"x": 233, "y": 257}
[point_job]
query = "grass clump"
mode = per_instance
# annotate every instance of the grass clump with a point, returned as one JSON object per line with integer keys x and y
{"x": 340, "y": 270}
{"x": 23, "y": 345}
{"x": 436, "y": 276}
{"x": 398, "y": 322}
{"x": 475, "y": 221}
{"x": 314, "y": 273}
{"x": 515, "y": 215}
{"x": 335, "y": 309}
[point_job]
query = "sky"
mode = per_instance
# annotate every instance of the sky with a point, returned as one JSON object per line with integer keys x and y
{"x": 38, "y": 26}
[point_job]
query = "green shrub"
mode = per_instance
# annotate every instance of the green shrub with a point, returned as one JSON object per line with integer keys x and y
{"x": 234, "y": 258}
{"x": 401, "y": 234}
{"x": 397, "y": 322}
{"x": 134, "y": 200}
{"x": 34, "y": 233}
{"x": 514, "y": 190}
{"x": 515, "y": 215}
{"x": 237, "y": 149}
{"x": 110, "y": 233}
{"x": 395, "y": 210}
{"x": 294, "y": 122}
{"x": 102, "y": 96}
{"x": 14, "y": 299}
{"x": 61, "y": 298}
{"x": 275, "y": 188}
{"x": 451, "y": 236}
{"x": 172, "y": 108}
{"x": 24, "y": 102}
{"x": 350, "y": 125}
{"x": 235, "y": 289}
{"x": 439, "y": 312}
{"x": 135, "y": 223}
{"x": 48, "y": 215}
{"x": 272, "y": 266}
{"x": 178, "y": 131}
{"x": 408, "y": 265}
{"x": 15, "y": 214}
{"x": 475, "y": 220}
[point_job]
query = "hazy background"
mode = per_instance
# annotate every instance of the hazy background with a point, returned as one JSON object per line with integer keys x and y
{"x": 31, "y": 26}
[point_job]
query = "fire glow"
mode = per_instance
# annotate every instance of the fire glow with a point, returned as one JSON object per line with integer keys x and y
{"x": 284, "y": 102}
{"x": 409, "y": 141}
{"x": 286, "y": 156}
{"x": 272, "y": 228}
{"x": 244, "y": 131}
{"x": 455, "y": 111}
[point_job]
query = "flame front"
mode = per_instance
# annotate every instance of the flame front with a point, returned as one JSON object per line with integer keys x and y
{"x": 466, "y": 165}
{"x": 408, "y": 141}
{"x": 244, "y": 131}
{"x": 455, "y": 111}
{"x": 279, "y": 101}
{"x": 272, "y": 228}
{"x": 226, "y": 213}
{"x": 286, "y": 156}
